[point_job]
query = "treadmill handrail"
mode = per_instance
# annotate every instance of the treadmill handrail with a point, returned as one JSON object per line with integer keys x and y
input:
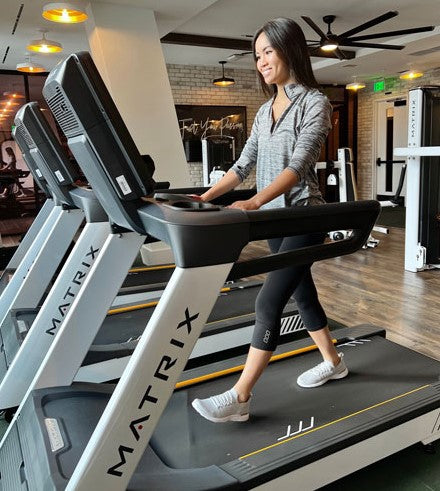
{"x": 359, "y": 216}
{"x": 217, "y": 237}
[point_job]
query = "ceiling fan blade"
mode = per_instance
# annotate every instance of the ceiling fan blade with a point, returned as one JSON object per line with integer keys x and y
{"x": 371, "y": 45}
{"x": 314, "y": 26}
{"x": 236, "y": 56}
{"x": 393, "y": 33}
{"x": 339, "y": 54}
{"x": 370, "y": 23}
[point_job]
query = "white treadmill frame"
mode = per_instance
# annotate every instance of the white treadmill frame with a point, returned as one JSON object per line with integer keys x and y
{"x": 42, "y": 333}
{"x": 125, "y": 427}
{"x": 33, "y": 275}
{"x": 157, "y": 361}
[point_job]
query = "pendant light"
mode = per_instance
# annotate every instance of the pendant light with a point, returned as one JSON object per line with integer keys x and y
{"x": 355, "y": 85}
{"x": 65, "y": 12}
{"x": 44, "y": 45}
{"x": 411, "y": 74}
{"x": 29, "y": 67}
{"x": 223, "y": 81}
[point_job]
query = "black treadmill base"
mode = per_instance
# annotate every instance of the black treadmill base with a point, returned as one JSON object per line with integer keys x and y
{"x": 289, "y": 426}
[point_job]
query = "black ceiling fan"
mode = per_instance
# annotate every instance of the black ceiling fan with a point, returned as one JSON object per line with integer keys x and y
{"x": 330, "y": 42}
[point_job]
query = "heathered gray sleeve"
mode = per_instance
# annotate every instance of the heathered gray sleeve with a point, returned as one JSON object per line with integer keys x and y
{"x": 249, "y": 154}
{"x": 313, "y": 131}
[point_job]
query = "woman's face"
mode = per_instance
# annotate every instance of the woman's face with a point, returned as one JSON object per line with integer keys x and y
{"x": 269, "y": 64}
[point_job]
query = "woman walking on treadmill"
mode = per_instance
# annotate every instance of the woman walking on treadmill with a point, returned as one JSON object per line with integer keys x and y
{"x": 285, "y": 142}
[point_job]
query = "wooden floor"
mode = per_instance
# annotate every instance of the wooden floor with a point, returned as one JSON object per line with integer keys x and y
{"x": 371, "y": 286}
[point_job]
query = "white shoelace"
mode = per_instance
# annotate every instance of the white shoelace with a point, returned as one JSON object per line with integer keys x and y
{"x": 223, "y": 400}
{"x": 323, "y": 368}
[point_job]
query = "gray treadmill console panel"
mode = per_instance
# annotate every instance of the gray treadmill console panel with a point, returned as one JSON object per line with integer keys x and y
{"x": 81, "y": 104}
{"x": 46, "y": 151}
{"x": 98, "y": 138}
{"x": 43, "y": 135}
{"x": 19, "y": 135}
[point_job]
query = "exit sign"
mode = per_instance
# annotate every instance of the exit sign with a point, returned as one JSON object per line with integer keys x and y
{"x": 378, "y": 86}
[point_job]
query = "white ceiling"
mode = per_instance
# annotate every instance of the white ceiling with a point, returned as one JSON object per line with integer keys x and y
{"x": 238, "y": 18}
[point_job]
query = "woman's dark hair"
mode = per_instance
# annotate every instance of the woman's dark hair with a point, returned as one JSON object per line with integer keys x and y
{"x": 287, "y": 39}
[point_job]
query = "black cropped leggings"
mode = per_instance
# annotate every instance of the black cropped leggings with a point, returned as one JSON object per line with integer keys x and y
{"x": 279, "y": 286}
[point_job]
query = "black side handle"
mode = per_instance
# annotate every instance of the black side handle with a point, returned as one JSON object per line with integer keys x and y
{"x": 358, "y": 216}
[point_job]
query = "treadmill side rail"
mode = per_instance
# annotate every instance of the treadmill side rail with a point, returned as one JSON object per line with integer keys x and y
{"x": 10, "y": 291}
{"x": 124, "y": 430}
{"x": 33, "y": 282}
{"x": 42, "y": 333}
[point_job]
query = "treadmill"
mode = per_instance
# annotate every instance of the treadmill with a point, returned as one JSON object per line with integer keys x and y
{"x": 32, "y": 234}
{"x": 35, "y": 270}
{"x": 23, "y": 350}
{"x": 107, "y": 444}
{"x": 44, "y": 155}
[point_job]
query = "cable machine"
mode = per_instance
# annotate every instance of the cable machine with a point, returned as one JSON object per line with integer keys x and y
{"x": 422, "y": 232}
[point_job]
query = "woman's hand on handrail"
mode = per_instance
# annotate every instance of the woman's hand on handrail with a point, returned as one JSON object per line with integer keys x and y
{"x": 246, "y": 205}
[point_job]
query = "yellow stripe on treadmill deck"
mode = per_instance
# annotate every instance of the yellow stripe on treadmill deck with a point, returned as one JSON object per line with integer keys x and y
{"x": 239, "y": 368}
{"x": 140, "y": 306}
{"x": 141, "y": 269}
{"x": 332, "y": 422}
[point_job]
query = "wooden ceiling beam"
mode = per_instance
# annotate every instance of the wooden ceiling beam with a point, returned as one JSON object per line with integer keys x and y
{"x": 229, "y": 43}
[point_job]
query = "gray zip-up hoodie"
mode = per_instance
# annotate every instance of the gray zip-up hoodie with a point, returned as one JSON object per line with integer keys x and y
{"x": 293, "y": 142}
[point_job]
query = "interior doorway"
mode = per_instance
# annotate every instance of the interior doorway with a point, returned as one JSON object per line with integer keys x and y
{"x": 391, "y": 132}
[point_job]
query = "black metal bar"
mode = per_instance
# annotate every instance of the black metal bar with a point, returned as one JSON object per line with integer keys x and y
{"x": 379, "y": 162}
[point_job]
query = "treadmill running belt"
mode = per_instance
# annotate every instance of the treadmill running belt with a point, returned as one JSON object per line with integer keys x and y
{"x": 288, "y": 428}
{"x": 128, "y": 325}
{"x": 287, "y": 419}
{"x": 150, "y": 276}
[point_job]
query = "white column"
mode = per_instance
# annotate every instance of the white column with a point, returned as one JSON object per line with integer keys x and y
{"x": 125, "y": 45}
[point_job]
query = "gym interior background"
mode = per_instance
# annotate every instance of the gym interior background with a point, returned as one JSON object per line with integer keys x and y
{"x": 371, "y": 286}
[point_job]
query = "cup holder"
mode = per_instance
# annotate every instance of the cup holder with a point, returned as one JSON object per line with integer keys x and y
{"x": 184, "y": 202}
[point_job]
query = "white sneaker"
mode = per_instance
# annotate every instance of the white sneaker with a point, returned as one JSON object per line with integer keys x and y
{"x": 322, "y": 373}
{"x": 223, "y": 407}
